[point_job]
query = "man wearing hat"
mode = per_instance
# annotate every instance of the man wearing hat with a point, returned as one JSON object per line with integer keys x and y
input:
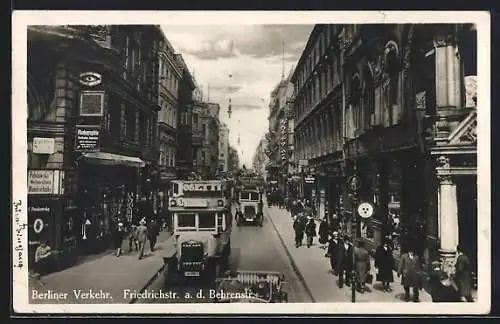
{"x": 410, "y": 272}
{"x": 344, "y": 263}
{"x": 142, "y": 236}
{"x": 333, "y": 246}
{"x": 310, "y": 230}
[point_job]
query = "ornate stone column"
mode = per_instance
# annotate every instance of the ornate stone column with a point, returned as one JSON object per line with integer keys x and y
{"x": 448, "y": 83}
{"x": 448, "y": 213}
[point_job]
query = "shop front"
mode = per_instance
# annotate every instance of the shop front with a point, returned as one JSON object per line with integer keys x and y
{"x": 109, "y": 188}
{"x": 166, "y": 175}
{"x": 49, "y": 217}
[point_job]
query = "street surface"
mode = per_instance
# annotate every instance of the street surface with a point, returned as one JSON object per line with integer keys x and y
{"x": 253, "y": 248}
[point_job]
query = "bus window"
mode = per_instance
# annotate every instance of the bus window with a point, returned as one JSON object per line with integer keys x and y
{"x": 206, "y": 220}
{"x": 175, "y": 188}
{"x": 186, "y": 220}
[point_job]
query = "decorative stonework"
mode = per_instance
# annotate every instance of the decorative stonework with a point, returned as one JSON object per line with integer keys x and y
{"x": 445, "y": 179}
{"x": 470, "y": 134}
{"x": 443, "y": 161}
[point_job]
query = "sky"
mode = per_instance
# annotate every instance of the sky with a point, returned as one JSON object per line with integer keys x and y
{"x": 242, "y": 63}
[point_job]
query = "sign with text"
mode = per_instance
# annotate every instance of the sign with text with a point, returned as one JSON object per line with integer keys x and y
{"x": 45, "y": 182}
{"x": 203, "y": 187}
{"x": 87, "y": 138}
{"x": 42, "y": 145}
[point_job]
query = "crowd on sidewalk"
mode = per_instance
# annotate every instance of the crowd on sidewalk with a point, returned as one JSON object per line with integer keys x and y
{"x": 136, "y": 233}
{"x": 351, "y": 261}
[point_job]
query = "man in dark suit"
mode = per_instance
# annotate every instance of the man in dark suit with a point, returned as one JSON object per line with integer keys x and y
{"x": 333, "y": 248}
{"x": 344, "y": 264}
{"x": 410, "y": 272}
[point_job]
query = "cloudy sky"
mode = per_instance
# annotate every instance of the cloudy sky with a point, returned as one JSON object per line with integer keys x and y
{"x": 241, "y": 62}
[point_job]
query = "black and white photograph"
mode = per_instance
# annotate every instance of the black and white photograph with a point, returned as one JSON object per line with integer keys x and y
{"x": 205, "y": 162}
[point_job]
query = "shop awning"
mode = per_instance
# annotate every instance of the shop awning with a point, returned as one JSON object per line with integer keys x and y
{"x": 104, "y": 158}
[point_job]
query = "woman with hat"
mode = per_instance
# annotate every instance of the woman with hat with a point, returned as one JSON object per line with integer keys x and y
{"x": 142, "y": 236}
{"x": 384, "y": 262}
{"x": 362, "y": 265}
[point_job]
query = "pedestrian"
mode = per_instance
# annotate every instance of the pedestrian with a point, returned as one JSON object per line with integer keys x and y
{"x": 443, "y": 289}
{"x": 119, "y": 234}
{"x": 463, "y": 275}
{"x": 142, "y": 237}
{"x": 384, "y": 263}
{"x": 362, "y": 265}
{"x": 333, "y": 247}
{"x": 323, "y": 232}
{"x": 153, "y": 232}
{"x": 410, "y": 272}
{"x": 310, "y": 231}
{"x": 345, "y": 264}
{"x": 298, "y": 227}
{"x": 46, "y": 259}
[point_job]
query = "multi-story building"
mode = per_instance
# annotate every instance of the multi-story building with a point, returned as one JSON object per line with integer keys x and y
{"x": 279, "y": 150}
{"x": 233, "y": 161}
{"x": 187, "y": 86}
{"x": 223, "y": 148}
{"x": 205, "y": 140}
{"x": 170, "y": 75}
{"x": 92, "y": 109}
{"x": 386, "y": 114}
{"x": 260, "y": 159}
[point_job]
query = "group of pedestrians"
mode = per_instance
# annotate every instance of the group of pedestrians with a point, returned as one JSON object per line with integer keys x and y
{"x": 139, "y": 234}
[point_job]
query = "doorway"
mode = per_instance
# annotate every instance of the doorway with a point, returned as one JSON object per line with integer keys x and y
{"x": 467, "y": 217}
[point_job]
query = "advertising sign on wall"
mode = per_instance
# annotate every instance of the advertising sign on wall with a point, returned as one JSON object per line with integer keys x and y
{"x": 87, "y": 138}
{"x": 42, "y": 145}
{"x": 45, "y": 182}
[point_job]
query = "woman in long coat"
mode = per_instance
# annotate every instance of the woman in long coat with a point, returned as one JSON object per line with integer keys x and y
{"x": 323, "y": 231}
{"x": 362, "y": 265}
{"x": 384, "y": 262}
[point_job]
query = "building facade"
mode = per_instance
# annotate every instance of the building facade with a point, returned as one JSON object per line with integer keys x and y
{"x": 260, "y": 159}
{"x": 205, "y": 140}
{"x": 233, "y": 161}
{"x": 92, "y": 109}
{"x": 386, "y": 114}
{"x": 223, "y": 148}
{"x": 278, "y": 137}
{"x": 170, "y": 75}
{"x": 187, "y": 87}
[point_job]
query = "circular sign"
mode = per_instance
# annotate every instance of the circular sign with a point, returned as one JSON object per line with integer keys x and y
{"x": 354, "y": 183}
{"x": 365, "y": 210}
{"x": 90, "y": 79}
{"x": 38, "y": 225}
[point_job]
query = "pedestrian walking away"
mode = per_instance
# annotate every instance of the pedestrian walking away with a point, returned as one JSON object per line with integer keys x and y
{"x": 384, "y": 263}
{"x": 323, "y": 232}
{"x": 332, "y": 253}
{"x": 463, "y": 275}
{"x": 119, "y": 234}
{"x": 310, "y": 231}
{"x": 410, "y": 272}
{"x": 299, "y": 227}
{"x": 362, "y": 266}
{"x": 345, "y": 261}
{"x": 153, "y": 232}
{"x": 142, "y": 237}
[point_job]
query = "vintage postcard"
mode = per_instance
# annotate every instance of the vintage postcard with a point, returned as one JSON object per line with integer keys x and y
{"x": 222, "y": 162}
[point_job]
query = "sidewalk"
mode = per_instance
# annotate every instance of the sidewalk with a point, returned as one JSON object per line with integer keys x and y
{"x": 314, "y": 269}
{"x": 108, "y": 273}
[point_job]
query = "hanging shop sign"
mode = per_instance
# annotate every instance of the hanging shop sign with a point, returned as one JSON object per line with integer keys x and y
{"x": 90, "y": 79}
{"x": 42, "y": 145}
{"x": 87, "y": 138}
{"x": 365, "y": 210}
{"x": 309, "y": 179}
{"x": 45, "y": 182}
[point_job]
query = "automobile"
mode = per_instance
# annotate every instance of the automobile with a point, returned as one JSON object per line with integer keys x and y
{"x": 251, "y": 287}
{"x": 249, "y": 208}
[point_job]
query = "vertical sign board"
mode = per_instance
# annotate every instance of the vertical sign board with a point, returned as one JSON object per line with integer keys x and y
{"x": 87, "y": 138}
{"x": 40, "y": 221}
